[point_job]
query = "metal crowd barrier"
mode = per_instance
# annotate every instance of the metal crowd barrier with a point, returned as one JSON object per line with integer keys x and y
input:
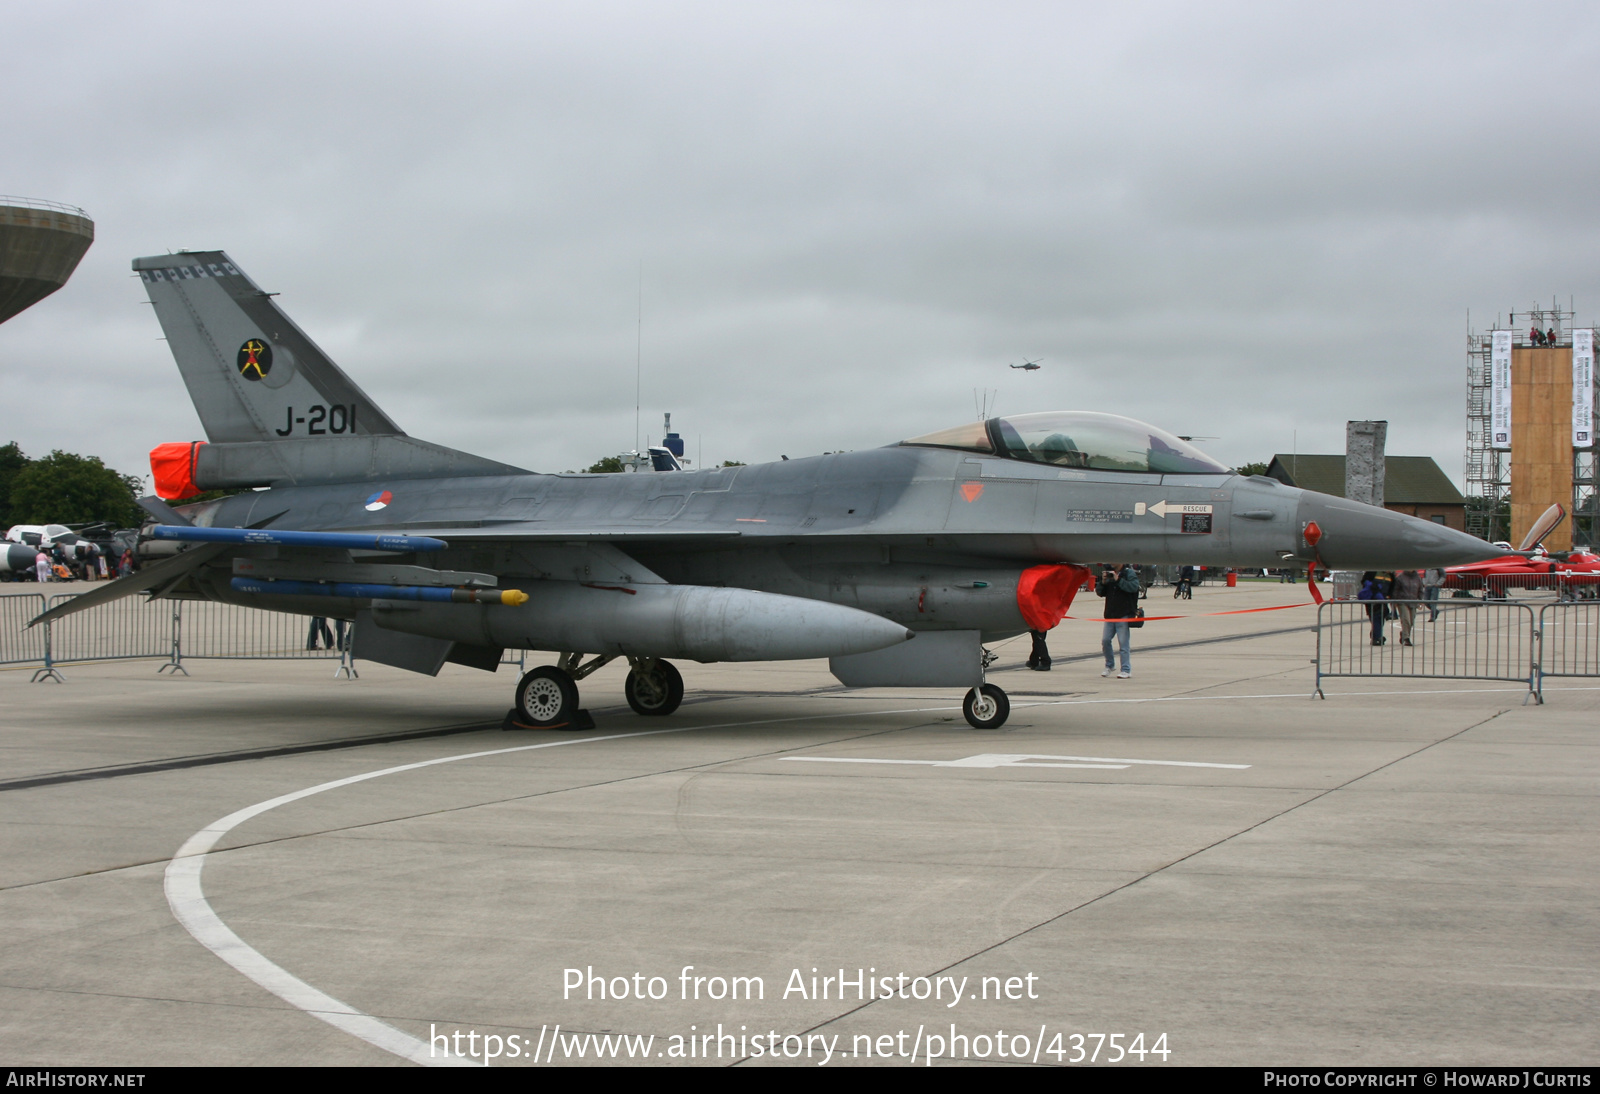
{"x": 1468, "y": 640}
{"x": 17, "y": 644}
{"x": 1569, "y": 639}
{"x": 177, "y": 630}
{"x": 1453, "y": 638}
{"x": 121, "y": 630}
{"x": 1564, "y": 586}
{"x": 207, "y": 629}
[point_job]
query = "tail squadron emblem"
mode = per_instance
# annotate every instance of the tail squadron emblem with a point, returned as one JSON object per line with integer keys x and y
{"x": 255, "y": 359}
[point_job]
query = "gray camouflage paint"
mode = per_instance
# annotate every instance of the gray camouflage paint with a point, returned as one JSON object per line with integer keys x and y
{"x": 930, "y": 538}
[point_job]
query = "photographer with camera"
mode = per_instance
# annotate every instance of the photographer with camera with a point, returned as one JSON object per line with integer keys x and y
{"x": 1120, "y": 588}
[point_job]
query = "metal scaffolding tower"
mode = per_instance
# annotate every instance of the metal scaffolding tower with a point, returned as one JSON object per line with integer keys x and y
{"x": 1489, "y": 469}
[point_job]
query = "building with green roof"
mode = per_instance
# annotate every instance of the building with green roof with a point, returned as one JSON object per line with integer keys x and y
{"x": 1413, "y": 485}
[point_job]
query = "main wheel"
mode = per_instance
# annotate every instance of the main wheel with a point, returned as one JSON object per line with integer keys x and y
{"x": 656, "y": 692}
{"x": 986, "y": 707}
{"x": 547, "y": 698}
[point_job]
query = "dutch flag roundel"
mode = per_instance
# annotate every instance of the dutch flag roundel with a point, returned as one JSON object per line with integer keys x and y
{"x": 379, "y": 501}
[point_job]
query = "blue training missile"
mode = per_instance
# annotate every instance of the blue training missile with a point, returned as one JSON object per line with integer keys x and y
{"x": 358, "y": 541}
{"x": 362, "y": 591}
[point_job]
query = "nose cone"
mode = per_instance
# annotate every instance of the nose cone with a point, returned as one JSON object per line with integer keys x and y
{"x": 1364, "y": 537}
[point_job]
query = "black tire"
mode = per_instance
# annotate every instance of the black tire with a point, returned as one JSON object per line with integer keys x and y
{"x": 547, "y": 698}
{"x": 988, "y": 711}
{"x": 656, "y": 693}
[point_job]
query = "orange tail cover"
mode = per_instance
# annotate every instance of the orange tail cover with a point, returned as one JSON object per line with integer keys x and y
{"x": 173, "y": 467}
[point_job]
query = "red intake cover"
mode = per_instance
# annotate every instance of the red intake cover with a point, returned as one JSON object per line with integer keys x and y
{"x": 1044, "y": 593}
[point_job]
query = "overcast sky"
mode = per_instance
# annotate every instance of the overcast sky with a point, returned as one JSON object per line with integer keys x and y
{"x": 1247, "y": 222}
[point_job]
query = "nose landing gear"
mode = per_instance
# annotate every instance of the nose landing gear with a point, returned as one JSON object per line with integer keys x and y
{"x": 986, "y": 706}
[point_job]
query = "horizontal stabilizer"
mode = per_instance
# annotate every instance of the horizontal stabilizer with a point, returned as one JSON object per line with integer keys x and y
{"x": 163, "y": 512}
{"x": 154, "y": 574}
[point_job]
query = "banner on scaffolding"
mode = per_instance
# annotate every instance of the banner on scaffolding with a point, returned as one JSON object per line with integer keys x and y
{"x": 1582, "y": 388}
{"x": 1500, "y": 389}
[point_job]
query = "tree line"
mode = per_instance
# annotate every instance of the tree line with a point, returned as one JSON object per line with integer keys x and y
{"x": 65, "y": 488}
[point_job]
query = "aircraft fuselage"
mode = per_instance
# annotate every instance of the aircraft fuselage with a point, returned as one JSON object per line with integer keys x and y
{"x": 932, "y": 538}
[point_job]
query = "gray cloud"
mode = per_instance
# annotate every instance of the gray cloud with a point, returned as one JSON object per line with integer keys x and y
{"x": 1247, "y": 221}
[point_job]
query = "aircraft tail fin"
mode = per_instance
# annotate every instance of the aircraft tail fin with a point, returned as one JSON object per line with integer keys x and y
{"x": 252, "y": 374}
{"x": 274, "y": 407}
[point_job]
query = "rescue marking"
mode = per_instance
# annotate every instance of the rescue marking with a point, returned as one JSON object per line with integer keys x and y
{"x": 972, "y": 491}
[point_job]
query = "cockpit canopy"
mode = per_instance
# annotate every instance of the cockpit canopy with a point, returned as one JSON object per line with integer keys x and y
{"x": 1078, "y": 438}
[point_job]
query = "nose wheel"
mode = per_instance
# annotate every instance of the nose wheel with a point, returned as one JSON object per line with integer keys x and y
{"x": 653, "y": 688}
{"x": 986, "y": 707}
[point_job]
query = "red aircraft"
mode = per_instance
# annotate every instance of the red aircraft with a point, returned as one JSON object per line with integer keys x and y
{"x": 1573, "y": 573}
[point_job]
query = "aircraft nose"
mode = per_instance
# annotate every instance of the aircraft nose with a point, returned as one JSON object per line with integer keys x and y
{"x": 1364, "y": 537}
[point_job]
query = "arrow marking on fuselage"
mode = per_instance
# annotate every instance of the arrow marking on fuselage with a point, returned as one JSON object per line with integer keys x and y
{"x": 1161, "y": 508}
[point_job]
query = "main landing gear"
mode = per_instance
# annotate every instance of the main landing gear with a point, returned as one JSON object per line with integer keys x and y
{"x": 986, "y": 706}
{"x": 547, "y": 697}
{"x": 653, "y": 687}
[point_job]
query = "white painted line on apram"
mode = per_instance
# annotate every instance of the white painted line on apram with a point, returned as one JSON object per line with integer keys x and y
{"x": 1026, "y": 759}
{"x": 187, "y": 899}
{"x": 186, "y": 896}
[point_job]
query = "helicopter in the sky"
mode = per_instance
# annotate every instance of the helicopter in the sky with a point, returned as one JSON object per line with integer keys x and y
{"x": 1029, "y": 366}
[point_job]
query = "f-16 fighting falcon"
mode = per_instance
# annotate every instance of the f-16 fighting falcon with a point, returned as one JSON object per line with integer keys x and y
{"x": 899, "y": 564}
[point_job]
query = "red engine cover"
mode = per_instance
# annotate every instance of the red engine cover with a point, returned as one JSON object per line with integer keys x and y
{"x": 173, "y": 467}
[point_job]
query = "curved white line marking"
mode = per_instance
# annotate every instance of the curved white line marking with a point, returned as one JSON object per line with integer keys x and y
{"x": 188, "y": 902}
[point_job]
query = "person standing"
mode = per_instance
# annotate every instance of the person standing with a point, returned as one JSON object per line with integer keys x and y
{"x": 1432, "y": 581}
{"x": 1373, "y": 592}
{"x": 41, "y": 567}
{"x": 1120, "y": 588}
{"x": 319, "y": 629}
{"x": 1038, "y": 660}
{"x": 1407, "y": 594}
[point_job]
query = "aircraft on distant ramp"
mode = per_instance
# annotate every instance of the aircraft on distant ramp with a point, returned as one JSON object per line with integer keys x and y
{"x": 899, "y": 564}
{"x": 1574, "y": 573}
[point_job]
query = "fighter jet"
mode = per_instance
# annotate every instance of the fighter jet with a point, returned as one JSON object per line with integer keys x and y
{"x": 900, "y": 564}
{"x": 1574, "y": 573}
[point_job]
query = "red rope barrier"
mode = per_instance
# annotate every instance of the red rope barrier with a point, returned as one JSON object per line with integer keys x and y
{"x": 1202, "y": 615}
